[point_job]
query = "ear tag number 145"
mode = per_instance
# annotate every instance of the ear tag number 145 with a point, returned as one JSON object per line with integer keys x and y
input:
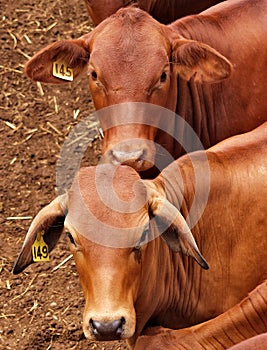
{"x": 40, "y": 248}
{"x": 62, "y": 71}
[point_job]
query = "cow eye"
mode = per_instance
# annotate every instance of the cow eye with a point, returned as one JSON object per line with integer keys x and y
{"x": 94, "y": 75}
{"x": 163, "y": 77}
{"x": 71, "y": 239}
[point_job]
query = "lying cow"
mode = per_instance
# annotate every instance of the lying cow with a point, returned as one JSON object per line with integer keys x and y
{"x": 164, "y": 11}
{"x": 130, "y": 57}
{"x": 118, "y": 223}
{"x": 243, "y": 321}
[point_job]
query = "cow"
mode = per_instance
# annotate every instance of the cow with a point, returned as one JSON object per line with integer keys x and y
{"x": 162, "y": 10}
{"x": 243, "y": 321}
{"x": 184, "y": 67}
{"x": 135, "y": 242}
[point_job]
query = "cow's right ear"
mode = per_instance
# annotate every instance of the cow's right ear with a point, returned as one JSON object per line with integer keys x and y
{"x": 49, "y": 221}
{"x": 60, "y": 62}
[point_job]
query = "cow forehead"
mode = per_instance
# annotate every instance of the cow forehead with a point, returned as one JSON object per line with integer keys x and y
{"x": 129, "y": 40}
{"x": 128, "y": 35}
{"x": 119, "y": 187}
{"x": 108, "y": 205}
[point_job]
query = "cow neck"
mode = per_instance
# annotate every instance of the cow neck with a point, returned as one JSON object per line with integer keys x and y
{"x": 152, "y": 287}
{"x": 169, "y": 288}
{"x": 178, "y": 306}
{"x": 202, "y": 105}
{"x": 195, "y": 104}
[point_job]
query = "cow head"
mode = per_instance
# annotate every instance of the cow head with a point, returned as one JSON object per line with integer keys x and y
{"x": 130, "y": 57}
{"x": 112, "y": 219}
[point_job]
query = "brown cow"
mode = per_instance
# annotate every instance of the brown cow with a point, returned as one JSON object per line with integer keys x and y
{"x": 130, "y": 57}
{"x": 165, "y": 11}
{"x": 129, "y": 276}
{"x": 242, "y": 321}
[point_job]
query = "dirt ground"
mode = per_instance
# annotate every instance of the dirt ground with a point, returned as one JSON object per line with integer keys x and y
{"x": 42, "y": 307}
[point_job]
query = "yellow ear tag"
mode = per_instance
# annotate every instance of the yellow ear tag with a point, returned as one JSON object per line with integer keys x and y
{"x": 62, "y": 71}
{"x": 40, "y": 248}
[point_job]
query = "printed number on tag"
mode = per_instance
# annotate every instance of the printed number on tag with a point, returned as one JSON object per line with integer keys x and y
{"x": 62, "y": 71}
{"x": 40, "y": 248}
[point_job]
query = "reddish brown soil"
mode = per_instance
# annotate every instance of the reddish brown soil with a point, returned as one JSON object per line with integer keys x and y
{"x": 41, "y": 308}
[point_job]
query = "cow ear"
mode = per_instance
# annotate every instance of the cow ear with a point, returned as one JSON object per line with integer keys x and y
{"x": 198, "y": 60}
{"x": 175, "y": 231}
{"x": 49, "y": 221}
{"x": 71, "y": 57}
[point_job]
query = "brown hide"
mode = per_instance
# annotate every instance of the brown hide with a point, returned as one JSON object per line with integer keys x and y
{"x": 243, "y": 321}
{"x": 131, "y": 276}
{"x": 134, "y": 60}
{"x": 165, "y": 11}
{"x": 98, "y": 10}
{"x": 258, "y": 342}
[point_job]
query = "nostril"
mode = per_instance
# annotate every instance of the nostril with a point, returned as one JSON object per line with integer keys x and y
{"x": 113, "y": 157}
{"x": 143, "y": 155}
{"x": 94, "y": 326}
{"x": 119, "y": 330}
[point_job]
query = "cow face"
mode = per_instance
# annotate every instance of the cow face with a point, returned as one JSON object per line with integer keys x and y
{"x": 130, "y": 57}
{"x": 127, "y": 72}
{"x": 105, "y": 238}
{"x": 113, "y": 220}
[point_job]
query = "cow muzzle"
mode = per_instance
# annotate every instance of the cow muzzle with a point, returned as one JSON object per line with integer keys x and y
{"x": 112, "y": 325}
{"x": 107, "y": 330}
{"x": 136, "y": 154}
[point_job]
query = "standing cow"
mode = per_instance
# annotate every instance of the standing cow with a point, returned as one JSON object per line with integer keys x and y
{"x": 165, "y": 11}
{"x": 126, "y": 234}
{"x": 132, "y": 58}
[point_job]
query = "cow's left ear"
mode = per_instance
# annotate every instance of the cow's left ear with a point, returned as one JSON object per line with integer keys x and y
{"x": 50, "y": 222}
{"x": 60, "y": 62}
{"x": 198, "y": 60}
{"x": 175, "y": 231}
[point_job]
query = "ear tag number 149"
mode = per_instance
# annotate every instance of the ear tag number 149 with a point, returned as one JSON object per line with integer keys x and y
{"x": 40, "y": 248}
{"x": 62, "y": 71}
